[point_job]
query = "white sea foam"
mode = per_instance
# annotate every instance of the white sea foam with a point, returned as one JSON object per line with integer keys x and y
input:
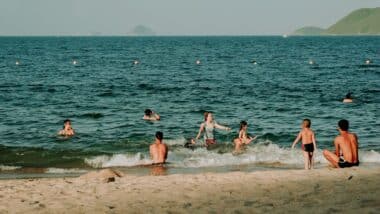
{"x": 260, "y": 153}
{"x": 117, "y": 160}
{"x": 64, "y": 171}
{"x": 9, "y": 168}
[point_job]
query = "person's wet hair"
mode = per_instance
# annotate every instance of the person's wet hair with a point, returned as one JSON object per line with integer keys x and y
{"x": 307, "y": 123}
{"x": 242, "y": 124}
{"x": 343, "y": 124}
{"x": 349, "y": 95}
{"x": 159, "y": 135}
{"x": 67, "y": 120}
{"x": 148, "y": 112}
{"x": 206, "y": 115}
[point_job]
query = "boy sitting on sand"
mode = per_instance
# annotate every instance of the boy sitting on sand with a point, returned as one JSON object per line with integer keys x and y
{"x": 308, "y": 143}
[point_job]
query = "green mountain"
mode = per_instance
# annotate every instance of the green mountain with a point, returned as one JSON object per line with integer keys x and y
{"x": 310, "y": 30}
{"x": 364, "y": 21}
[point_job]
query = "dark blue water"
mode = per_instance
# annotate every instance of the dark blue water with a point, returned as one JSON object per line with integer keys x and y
{"x": 105, "y": 95}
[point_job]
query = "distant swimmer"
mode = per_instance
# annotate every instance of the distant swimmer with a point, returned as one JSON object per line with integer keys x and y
{"x": 208, "y": 127}
{"x": 136, "y": 62}
{"x": 198, "y": 62}
{"x": 158, "y": 150}
{"x": 308, "y": 143}
{"x": 151, "y": 115}
{"x": 254, "y": 62}
{"x": 348, "y": 98}
{"x": 346, "y": 148}
{"x": 243, "y": 138}
{"x": 67, "y": 129}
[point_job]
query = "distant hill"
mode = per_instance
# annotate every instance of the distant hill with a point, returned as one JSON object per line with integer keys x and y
{"x": 365, "y": 21}
{"x": 141, "y": 30}
{"x": 310, "y": 30}
{"x": 362, "y": 21}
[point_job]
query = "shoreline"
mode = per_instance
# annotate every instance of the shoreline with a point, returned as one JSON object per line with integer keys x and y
{"x": 147, "y": 170}
{"x": 277, "y": 191}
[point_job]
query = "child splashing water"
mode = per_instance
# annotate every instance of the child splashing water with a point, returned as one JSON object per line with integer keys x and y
{"x": 308, "y": 143}
{"x": 243, "y": 138}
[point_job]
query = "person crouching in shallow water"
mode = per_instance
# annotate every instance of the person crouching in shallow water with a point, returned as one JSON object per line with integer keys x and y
{"x": 308, "y": 143}
{"x": 243, "y": 138}
{"x": 150, "y": 115}
{"x": 67, "y": 129}
{"x": 346, "y": 148}
{"x": 208, "y": 128}
{"x": 158, "y": 150}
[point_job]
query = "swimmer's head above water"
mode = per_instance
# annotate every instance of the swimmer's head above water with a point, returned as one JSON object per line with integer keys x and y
{"x": 148, "y": 112}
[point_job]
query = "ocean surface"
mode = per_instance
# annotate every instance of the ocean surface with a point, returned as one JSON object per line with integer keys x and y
{"x": 104, "y": 94}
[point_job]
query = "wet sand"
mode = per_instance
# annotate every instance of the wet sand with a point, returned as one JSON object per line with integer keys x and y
{"x": 323, "y": 190}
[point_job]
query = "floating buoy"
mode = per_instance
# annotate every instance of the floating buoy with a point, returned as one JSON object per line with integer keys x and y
{"x": 136, "y": 62}
{"x": 75, "y": 62}
{"x": 17, "y": 63}
{"x": 254, "y": 62}
{"x": 198, "y": 62}
{"x": 311, "y": 62}
{"x": 368, "y": 61}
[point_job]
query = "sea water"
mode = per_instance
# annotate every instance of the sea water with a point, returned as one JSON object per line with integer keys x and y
{"x": 96, "y": 82}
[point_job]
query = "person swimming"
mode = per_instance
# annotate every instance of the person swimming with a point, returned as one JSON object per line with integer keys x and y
{"x": 67, "y": 129}
{"x": 243, "y": 138}
{"x": 208, "y": 127}
{"x": 151, "y": 115}
{"x": 348, "y": 98}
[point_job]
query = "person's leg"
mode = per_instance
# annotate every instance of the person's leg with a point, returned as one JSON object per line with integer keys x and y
{"x": 331, "y": 157}
{"x": 311, "y": 158}
{"x": 306, "y": 159}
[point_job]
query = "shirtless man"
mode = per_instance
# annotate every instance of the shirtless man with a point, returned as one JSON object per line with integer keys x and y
{"x": 308, "y": 143}
{"x": 67, "y": 129}
{"x": 346, "y": 148}
{"x": 151, "y": 115}
{"x": 158, "y": 150}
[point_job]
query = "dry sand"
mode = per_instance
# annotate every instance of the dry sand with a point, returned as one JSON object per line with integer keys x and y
{"x": 324, "y": 190}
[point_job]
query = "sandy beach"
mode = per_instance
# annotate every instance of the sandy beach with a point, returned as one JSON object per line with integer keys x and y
{"x": 279, "y": 191}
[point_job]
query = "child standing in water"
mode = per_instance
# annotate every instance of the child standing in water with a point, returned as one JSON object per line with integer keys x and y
{"x": 308, "y": 143}
{"x": 243, "y": 138}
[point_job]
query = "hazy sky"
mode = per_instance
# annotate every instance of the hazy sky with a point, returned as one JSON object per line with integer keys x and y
{"x": 170, "y": 17}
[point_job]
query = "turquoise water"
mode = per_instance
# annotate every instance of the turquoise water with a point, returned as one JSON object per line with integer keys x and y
{"x": 105, "y": 95}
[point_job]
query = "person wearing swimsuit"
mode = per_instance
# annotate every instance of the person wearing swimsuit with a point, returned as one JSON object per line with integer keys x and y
{"x": 243, "y": 138}
{"x": 308, "y": 143}
{"x": 346, "y": 148}
{"x": 208, "y": 127}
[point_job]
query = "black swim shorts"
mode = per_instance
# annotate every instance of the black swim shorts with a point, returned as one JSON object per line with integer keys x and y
{"x": 308, "y": 147}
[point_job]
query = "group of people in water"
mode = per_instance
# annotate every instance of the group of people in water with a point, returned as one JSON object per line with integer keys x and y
{"x": 345, "y": 154}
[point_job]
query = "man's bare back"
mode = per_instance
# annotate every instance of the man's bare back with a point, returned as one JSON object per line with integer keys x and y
{"x": 348, "y": 145}
{"x": 158, "y": 150}
{"x": 346, "y": 148}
